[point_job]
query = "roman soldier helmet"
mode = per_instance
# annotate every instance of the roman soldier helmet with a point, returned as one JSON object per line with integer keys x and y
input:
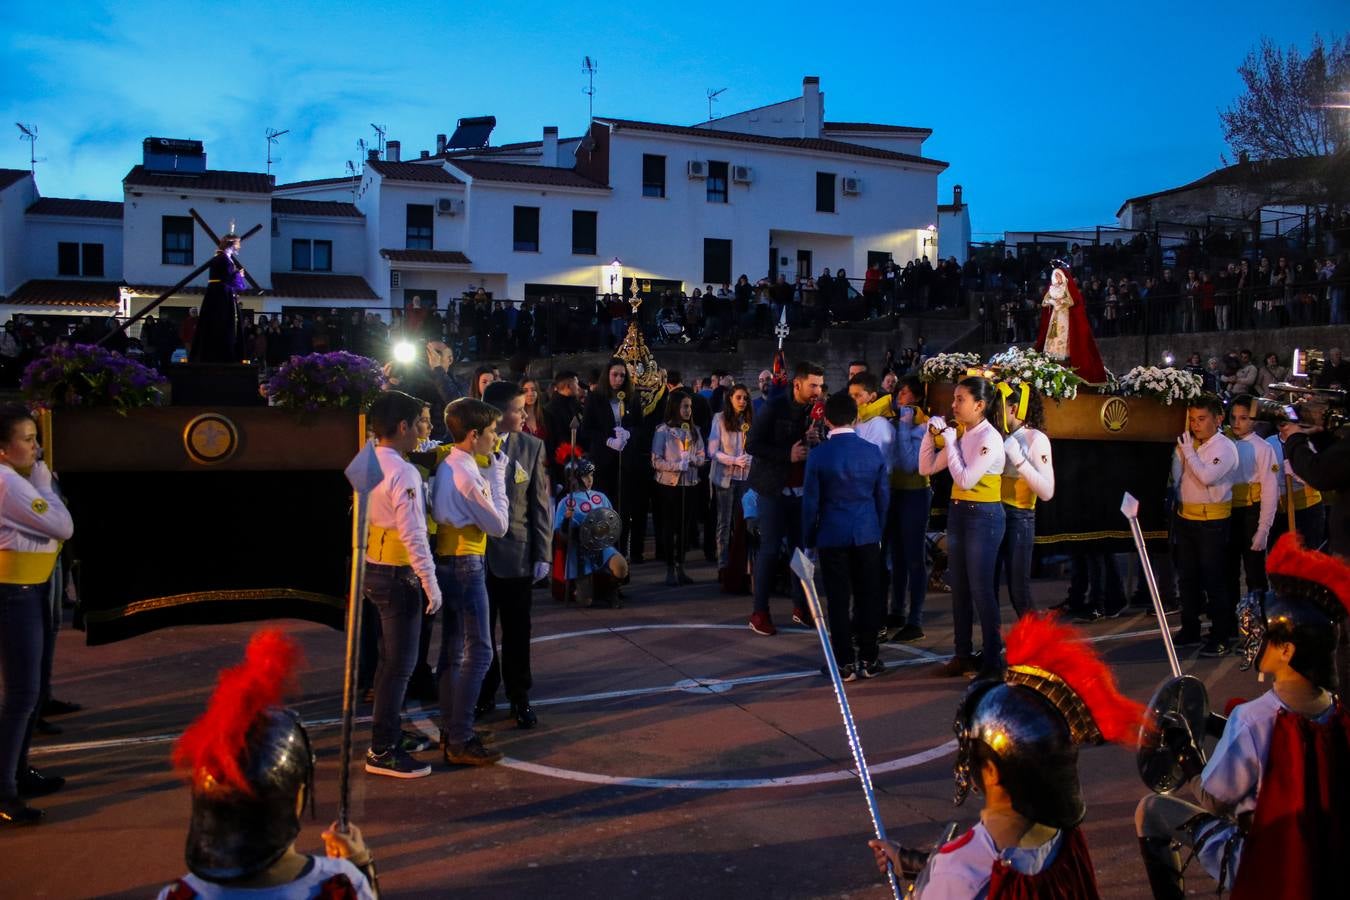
{"x": 1309, "y": 596}
{"x": 575, "y": 465}
{"x": 1055, "y": 694}
{"x": 247, "y": 760}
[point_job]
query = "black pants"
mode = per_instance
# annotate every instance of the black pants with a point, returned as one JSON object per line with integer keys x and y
{"x": 509, "y": 601}
{"x": 674, "y": 501}
{"x": 707, "y": 499}
{"x": 637, "y": 500}
{"x": 1242, "y": 529}
{"x": 851, "y": 577}
{"x": 1201, "y": 549}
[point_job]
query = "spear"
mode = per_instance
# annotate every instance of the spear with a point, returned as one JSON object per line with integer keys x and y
{"x": 364, "y": 475}
{"x": 1129, "y": 506}
{"x": 805, "y": 570}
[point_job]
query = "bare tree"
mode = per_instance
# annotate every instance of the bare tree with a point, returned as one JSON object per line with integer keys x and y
{"x": 1294, "y": 105}
{"x": 1293, "y": 123}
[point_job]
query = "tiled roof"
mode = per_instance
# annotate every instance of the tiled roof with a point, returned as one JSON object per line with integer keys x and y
{"x": 517, "y": 173}
{"x": 55, "y": 292}
{"x": 85, "y": 209}
{"x": 321, "y": 287}
{"x": 820, "y": 145}
{"x": 10, "y": 176}
{"x": 210, "y": 180}
{"x": 872, "y": 126}
{"x": 1263, "y": 172}
{"x": 315, "y": 182}
{"x": 406, "y": 171}
{"x": 287, "y": 206}
{"x": 442, "y": 257}
{"x": 154, "y": 290}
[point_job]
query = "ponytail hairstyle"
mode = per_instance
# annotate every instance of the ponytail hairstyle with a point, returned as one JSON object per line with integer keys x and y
{"x": 983, "y": 390}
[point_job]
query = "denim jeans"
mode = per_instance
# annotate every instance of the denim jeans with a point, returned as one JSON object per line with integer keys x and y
{"x": 780, "y": 518}
{"x": 728, "y": 499}
{"x": 974, "y": 532}
{"x": 908, "y": 526}
{"x": 466, "y": 642}
{"x": 396, "y": 596}
{"x": 1014, "y": 557}
{"x": 25, "y": 621}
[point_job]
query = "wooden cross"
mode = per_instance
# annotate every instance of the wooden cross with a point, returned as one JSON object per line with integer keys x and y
{"x": 215, "y": 240}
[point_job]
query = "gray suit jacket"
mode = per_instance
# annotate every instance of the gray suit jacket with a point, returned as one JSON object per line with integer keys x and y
{"x": 529, "y": 534}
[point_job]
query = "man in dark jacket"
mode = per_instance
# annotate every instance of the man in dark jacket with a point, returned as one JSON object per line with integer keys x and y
{"x": 558, "y": 415}
{"x": 778, "y": 444}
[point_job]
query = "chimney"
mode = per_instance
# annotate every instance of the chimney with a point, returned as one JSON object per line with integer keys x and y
{"x": 393, "y": 151}
{"x": 550, "y": 147}
{"x": 440, "y": 144}
{"x": 956, "y": 196}
{"x": 425, "y": 154}
{"x": 813, "y": 107}
{"x": 372, "y": 155}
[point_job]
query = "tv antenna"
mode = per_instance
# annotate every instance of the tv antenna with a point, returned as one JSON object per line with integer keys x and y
{"x": 29, "y": 133}
{"x": 355, "y": 174}
{"x": 712, "y": 98}
{"x": 588, "y": 68}
{"x": 379, "y": 137}
{"x": 272, "y": 135}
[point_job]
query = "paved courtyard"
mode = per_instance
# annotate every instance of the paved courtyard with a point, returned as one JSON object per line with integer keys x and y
{"x": 678, "y": 755}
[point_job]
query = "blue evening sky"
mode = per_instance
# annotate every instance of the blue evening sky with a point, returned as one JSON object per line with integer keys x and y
{"x": 1050, "y": 114}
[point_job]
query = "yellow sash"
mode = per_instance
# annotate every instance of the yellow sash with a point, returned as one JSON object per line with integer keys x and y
{"x": 26, "y": 567}
{"x": 1017, "y": 493}
{"x": 384, "y": 546}
{"x": 1304, "y": 497}
{"x": 452, "y": 540}
{"x": 1247, "y": 494}
{"x": 1206, "y": 512}
{"x": 986, "y": 490}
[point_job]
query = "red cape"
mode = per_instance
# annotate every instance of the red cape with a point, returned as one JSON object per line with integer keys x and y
{"x": 1299, "y": 837}
{"x": 1084, "y": 357}
{"x": 1069, "y": 877}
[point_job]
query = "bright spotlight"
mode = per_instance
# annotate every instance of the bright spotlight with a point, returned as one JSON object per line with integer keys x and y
{"x": 404, "y": 352}
{"x": 1168, "y": 358}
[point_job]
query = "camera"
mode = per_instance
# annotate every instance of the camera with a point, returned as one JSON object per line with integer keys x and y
{"x": 1308, "y": 406}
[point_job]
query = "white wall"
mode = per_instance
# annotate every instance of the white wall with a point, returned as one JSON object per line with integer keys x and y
{"x": 348, "y": 237}
{"x": 43, "y": 233}
{"x": 144, "y": 208}
{"x": 954, "y": 234}
{"x": 14, "y": 200}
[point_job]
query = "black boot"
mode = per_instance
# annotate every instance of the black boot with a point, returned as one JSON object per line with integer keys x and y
{"x": 1162, "y": 862}
{"x": 672, "y": 580}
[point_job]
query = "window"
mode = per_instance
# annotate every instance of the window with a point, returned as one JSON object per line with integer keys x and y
{"x": 177, "y": 248}
{"x": 716, "y": 261}
{"x": 717, "y": 182}
{"x": 67, "y": 258}
{"x": 92, "y": 258}
{"x": 525, "y": 233}
{"x": 420, "y": 217}
{"x": 323, "y": 256}
{"x": 583, "y": 232}
{"x": 824, "y": 192}
{"x": 653, "y": 175}
{"x": 311, "y": 256}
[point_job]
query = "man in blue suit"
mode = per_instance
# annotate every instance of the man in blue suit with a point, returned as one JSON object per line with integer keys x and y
{"x": 844, "y": 501}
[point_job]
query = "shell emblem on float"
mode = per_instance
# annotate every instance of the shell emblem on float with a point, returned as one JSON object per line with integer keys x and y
{"x": 1115, "y": 415}
{"x": 210, "y": 438}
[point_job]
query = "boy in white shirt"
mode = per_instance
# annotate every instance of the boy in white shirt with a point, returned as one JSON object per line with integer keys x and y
{"x": 467, "y": 508}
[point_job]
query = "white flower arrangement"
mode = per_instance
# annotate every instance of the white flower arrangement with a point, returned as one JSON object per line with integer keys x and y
{"x": 947, "y": 367}
{"x": 1049, "y": 378}
{"x": 1164, "y": 383}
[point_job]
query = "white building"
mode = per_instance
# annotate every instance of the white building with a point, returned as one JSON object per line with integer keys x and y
{"x": 769, "y": 191}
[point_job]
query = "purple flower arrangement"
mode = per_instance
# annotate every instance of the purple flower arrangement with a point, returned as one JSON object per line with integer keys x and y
{"x": 85, "y": 375}
{"x": 338, "y": 380}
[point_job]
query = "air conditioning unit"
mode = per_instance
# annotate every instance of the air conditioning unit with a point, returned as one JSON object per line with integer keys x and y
{"x": 449, "y": 206}
{"x": 852, "y": 185}
{"x": 395, "y": 278}
{"x": 741, "y": 174}
{"x": 697, "y": 168}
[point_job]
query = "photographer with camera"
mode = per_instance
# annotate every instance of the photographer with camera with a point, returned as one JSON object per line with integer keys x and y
{"x": 1321, "y": 459}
